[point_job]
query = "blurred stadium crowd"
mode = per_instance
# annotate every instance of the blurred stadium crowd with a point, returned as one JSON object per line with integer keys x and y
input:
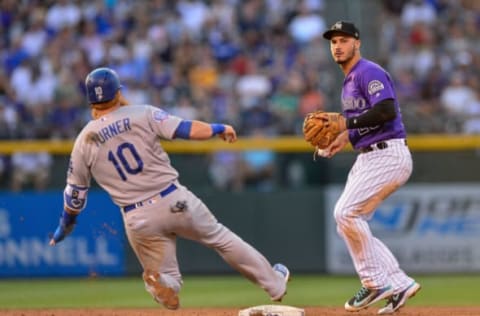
{"x": 432, "y": 49}
{"x": 259, "y": 65}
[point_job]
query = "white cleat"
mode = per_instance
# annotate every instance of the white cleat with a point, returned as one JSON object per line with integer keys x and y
{"x": 285, "y": 273}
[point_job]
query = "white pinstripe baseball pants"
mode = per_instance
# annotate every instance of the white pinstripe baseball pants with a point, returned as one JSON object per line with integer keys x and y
{"x": 373, "y": 177}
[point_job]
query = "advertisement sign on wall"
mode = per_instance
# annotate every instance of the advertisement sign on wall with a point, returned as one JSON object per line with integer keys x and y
{"x": 27, "y": 220}
{"x": 429, "y": 228}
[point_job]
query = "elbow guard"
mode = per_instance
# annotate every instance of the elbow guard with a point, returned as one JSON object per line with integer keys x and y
{"x": 75, "y": 197}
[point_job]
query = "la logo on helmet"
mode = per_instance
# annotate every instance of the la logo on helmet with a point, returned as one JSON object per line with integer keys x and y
{"x": 99, "y": 92}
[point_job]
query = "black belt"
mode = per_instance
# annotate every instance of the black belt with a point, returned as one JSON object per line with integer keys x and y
{"x": 172, "y": 187}
{"x": 379, "y": 145}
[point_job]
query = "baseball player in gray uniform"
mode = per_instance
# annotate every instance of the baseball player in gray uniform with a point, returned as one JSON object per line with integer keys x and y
{"x": 375, "y": 130}
{"x": 120, "y": 149}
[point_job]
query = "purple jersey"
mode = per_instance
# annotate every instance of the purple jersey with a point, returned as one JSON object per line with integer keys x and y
{"x": 364, "y": 86}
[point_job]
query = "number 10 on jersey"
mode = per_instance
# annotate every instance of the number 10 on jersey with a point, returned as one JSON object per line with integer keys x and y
{"x": 120, "y": 162}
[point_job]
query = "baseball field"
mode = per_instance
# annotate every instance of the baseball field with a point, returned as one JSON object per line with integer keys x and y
{"x": 225, "y": 295}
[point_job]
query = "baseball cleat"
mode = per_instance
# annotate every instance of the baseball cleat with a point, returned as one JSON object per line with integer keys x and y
{"x": 161, "y": 294}
{"x": 285, "y": 273}
{"x": 366, "y": 297}
{"x": 398, "y": 300}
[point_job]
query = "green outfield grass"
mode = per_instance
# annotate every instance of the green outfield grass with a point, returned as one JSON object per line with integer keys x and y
{"x": 221, "y": 291}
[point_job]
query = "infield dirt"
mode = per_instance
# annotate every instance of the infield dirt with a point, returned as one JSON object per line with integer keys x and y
{"x": 309, "y": 311}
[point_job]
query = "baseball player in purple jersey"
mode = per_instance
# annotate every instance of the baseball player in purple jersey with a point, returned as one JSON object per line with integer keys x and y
{"x": 120, "y": 149}
{"x": 375, "y": 130}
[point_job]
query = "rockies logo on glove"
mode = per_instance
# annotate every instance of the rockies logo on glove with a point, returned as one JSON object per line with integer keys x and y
{"x": 321, "y": 128}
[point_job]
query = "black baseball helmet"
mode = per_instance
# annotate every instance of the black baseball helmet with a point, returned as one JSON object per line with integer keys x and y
{"x": 102, "y": 84}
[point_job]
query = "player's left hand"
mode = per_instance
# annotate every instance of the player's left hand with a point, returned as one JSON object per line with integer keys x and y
{"x": 321, "y": 128}
{"x": 65, "y": 227}
{"x": 229, "y": 135}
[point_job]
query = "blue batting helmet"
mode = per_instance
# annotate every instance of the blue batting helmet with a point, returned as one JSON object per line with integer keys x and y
{"x": 102, "y": 84}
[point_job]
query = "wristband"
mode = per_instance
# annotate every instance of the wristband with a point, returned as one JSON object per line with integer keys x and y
{"x": 75, "y": 197}
{"x": 217, "y": 128}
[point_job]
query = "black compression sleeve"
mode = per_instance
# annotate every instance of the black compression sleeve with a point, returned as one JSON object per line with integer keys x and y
{"x": 380, "y": 113}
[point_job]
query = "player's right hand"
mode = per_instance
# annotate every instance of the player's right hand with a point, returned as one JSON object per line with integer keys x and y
{"x": 229, "y": 135}
{"x": 59, "y": 235}
{"x": 337, "y": 145}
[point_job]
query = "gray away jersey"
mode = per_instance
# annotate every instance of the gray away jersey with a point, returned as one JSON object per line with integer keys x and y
{"x": 121, "y": 150}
